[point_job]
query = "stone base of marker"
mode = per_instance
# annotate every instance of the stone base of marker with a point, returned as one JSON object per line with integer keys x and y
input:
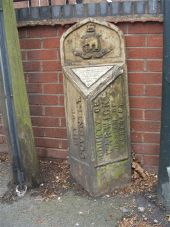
{"x": 101, "y": 180}
{"x": 96, "y": 101}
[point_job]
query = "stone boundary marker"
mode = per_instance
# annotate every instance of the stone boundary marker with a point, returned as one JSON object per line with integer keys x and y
{"x": 97, "y": 107}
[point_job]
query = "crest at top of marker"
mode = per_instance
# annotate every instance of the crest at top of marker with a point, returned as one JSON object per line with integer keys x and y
{"x": 91, "y": 42}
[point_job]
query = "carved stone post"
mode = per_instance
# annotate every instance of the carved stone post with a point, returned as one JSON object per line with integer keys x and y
{"x": 97, "y": 109}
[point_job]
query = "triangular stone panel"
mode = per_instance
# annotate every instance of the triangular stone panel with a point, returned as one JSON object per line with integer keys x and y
{"x": 92, "y": 74}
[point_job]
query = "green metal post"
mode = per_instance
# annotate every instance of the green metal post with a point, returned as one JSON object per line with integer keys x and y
{"x": 164, "y": 164}
{"x": 24, "y": 156}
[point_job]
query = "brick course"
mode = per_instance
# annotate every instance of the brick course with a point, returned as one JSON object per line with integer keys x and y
{"x": 44, "y": 79}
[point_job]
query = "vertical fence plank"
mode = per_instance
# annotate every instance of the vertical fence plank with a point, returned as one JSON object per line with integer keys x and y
{"x": 23, "y": 125}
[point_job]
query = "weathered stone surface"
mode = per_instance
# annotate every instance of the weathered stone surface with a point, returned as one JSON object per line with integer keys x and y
{"x": 96, "y": 101}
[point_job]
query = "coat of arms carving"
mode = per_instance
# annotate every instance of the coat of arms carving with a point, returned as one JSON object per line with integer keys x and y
{"x": 91, "y": 44}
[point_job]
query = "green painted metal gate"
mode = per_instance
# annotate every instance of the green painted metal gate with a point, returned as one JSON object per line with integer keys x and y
{"x": 164, "y": 165}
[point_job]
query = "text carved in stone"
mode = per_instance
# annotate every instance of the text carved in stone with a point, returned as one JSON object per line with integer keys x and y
{"x": 110, "y": 123}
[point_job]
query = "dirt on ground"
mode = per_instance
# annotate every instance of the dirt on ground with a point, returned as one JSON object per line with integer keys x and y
{"x": 135, "y": 222}
{"x": 56, "y": 180}
{"x": 4, "y": 157}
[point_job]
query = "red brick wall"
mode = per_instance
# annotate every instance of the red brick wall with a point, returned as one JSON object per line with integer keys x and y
{"x": 44, "y": 79}
{"x": 144, "y": 43}
{"x": 43, "y": 74}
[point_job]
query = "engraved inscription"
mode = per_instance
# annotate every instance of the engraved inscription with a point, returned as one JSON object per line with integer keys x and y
{"x": 74, "y": 128}
{"x": 109, "y": 113}
{"x": 91, "y": 74}
{"x": 78, "y": 128}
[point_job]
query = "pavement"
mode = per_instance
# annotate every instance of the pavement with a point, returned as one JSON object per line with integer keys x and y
{"x": 71, "y": 209}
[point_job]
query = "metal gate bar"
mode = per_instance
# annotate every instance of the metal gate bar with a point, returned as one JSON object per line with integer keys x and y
{"x": 164, "y": 165}
{"x": 9, "y": 106}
